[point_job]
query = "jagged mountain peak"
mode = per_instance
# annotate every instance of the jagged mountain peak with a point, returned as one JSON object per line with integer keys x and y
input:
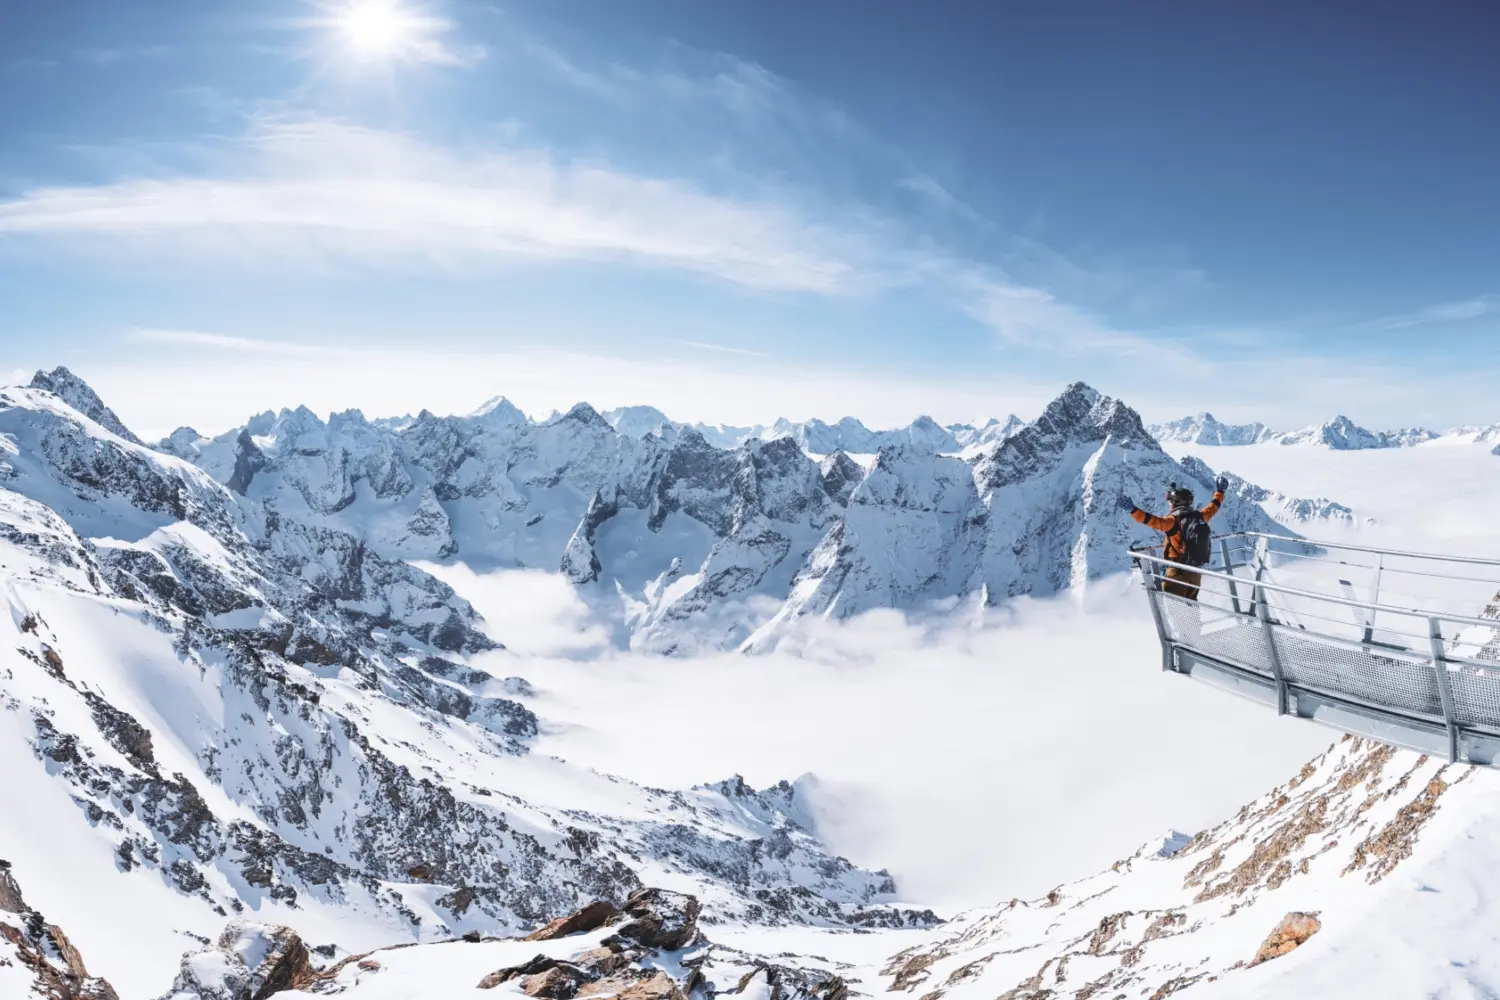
{"x": 1204, "y": 428}
{"x": 582, "y": 413}
{"x": 499, "y": 410}
{"x": 1343, "y": 434}
{"x": 637, "y": 421}
{"x": 78, "y": 394}
{"x": 1080, "y": 415}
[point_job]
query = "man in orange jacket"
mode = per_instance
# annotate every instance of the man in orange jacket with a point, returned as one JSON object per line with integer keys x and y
{"x": 1181, "y": 582}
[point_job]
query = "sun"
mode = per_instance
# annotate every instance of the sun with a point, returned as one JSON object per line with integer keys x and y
{"x": 375, "y": 29}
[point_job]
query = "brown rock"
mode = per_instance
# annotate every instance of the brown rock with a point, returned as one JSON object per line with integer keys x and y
{"x": 660, "y": 918}
{"x": 285, "y": 966}
{"x": 52, "y": 983}
{"x": 538, "y": 964}
{"x": 422, "y": 873}
{"x": 10, "y": 892}
{"x": 65, "y": 950}
{"x": 657, "y": 986}
{"x": 560, "y": 982}
{"x": 368, "y": 965}
{"x": 1291, "y": 933}
{"x": 602, "y": 961}
{"x": 459, "y": 900}
{"x": 581, "y": 921}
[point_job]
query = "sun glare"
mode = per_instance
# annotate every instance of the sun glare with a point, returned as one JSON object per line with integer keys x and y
{"x": 379, "y": 28}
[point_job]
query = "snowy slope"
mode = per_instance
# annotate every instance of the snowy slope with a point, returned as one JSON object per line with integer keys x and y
{"x": 1392, "y": 856}
{"x": 219, "y": 709}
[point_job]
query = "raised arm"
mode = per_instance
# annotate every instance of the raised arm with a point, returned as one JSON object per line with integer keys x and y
{"x": 1167, "y": 524}
{"x": 1220, "y": 485}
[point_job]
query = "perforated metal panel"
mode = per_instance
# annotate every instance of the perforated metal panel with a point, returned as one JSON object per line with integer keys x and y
{"x": 1476, "y": 696}
{"x": 1391, "y": 680}
{"x": 1236, "y": 639}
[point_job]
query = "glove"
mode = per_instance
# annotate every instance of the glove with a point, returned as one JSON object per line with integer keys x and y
{"x": 1221, "y": 484}
{"x": 1125, "y": 503}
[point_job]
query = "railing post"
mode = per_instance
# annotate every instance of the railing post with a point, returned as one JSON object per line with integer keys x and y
{"x": 1440, "y": 668}
{"x": 1263, "y": 612}
{"x": 1148, "y": 576}
{"x": 1234, "y": 593}
{"x": 1374, "y": 597}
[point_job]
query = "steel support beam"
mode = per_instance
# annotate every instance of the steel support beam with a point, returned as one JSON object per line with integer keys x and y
{"x": 1445, "y": 693}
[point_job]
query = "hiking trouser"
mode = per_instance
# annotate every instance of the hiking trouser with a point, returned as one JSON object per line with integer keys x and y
{"x": 1182, "y": 583}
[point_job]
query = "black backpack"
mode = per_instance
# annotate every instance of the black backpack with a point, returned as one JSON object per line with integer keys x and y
{"x": 1197, "y": 538}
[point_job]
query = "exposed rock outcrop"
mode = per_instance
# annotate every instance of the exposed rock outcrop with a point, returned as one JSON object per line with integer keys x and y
{"x": 1290, "y": 934}
{"x": 39, "y": 953}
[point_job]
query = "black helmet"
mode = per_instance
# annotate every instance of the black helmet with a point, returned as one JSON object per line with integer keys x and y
{"x": 1179, "y": 496}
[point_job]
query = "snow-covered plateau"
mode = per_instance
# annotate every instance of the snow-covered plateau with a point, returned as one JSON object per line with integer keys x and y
{"x": 607, "y": 705}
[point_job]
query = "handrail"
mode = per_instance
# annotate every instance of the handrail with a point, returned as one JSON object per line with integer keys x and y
{"x": 1314, "y": 595}
{"x": 1434, "y": 557}
{"x": 1419, "y": 689}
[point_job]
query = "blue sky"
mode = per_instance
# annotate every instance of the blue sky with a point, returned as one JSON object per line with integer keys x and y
{"x": 739, "y": 210}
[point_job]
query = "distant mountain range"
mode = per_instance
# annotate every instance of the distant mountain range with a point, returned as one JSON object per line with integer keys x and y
{"x": 1338, "y": 434}
{"x": 848, "y": 435}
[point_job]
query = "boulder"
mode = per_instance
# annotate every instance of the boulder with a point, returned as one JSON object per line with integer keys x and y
{"x": 250, "y": 962}
{"x": 660, "y": 918}
{"x": 560, "y": 982}
{"x": 1294, "y": 930}
{"x": 532, "y": 967}
{"x": 590, "y": 917}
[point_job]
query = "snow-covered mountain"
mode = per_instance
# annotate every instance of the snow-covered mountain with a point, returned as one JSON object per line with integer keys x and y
{"x": 1034, "y": 514}
{"x": 1204, "y": 429}
{"x": 227, "y": 705}
{"x": 1370, "y": 873}
{"x": 1338, "y": 434}
{"x": 688, "y": 546}
{"x": 992, "y": 431}
{"x": 848, "y": 435}
{"x": 1291, "y": 511}
{"x": 1343, "y": 434}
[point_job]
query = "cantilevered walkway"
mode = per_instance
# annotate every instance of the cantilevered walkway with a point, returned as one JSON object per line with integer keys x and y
{"x": 1351, "y": 636}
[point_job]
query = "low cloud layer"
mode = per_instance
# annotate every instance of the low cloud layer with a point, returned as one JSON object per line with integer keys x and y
{"x": 978, "y": 756}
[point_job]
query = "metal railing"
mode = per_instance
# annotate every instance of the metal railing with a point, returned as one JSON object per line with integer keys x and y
{"x": 1411, "y": 674}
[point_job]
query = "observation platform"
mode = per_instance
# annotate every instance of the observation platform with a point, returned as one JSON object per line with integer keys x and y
{"x": 1346, "y": 635}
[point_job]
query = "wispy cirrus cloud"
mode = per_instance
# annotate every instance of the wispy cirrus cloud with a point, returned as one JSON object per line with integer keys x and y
{"x": 1443, "y": 312}
{"x": 226, "y": 342}
{"x": 723, "y": 349}
{"x": 331, "y": 189}
{"x": 292, "y": 191}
